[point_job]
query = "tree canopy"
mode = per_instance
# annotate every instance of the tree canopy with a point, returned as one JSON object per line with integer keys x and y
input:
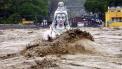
{"x": 96, "y": 6}
{"x": 12, "y": 10}
{"x": 115, "y": 2}
{"x": 101, "y": 6}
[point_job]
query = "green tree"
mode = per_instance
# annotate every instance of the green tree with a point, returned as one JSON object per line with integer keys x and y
{"x": 19, "y": 8}
{"x": 96, "y": 6}
{"x": 100, "y": 5}
{"x": 115, "y": 2}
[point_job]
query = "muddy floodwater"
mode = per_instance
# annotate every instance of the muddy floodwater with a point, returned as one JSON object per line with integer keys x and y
{"x": 104, "y": 52}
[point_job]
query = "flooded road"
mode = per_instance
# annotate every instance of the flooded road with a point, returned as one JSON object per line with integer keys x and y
{"x": 13, "y": 41}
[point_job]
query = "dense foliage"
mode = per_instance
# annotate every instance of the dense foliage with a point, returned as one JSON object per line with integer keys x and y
{"x": 12, "y": 11}
{"x": 96, "y": 6}
{"x": 99, "y": 7}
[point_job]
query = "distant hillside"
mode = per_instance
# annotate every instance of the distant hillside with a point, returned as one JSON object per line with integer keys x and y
{"x": 75, "y": 2}
{"x": 75, "y": 7}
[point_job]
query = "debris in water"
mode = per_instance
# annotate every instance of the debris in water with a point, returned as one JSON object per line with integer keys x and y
{"x": 64, "y": 44}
